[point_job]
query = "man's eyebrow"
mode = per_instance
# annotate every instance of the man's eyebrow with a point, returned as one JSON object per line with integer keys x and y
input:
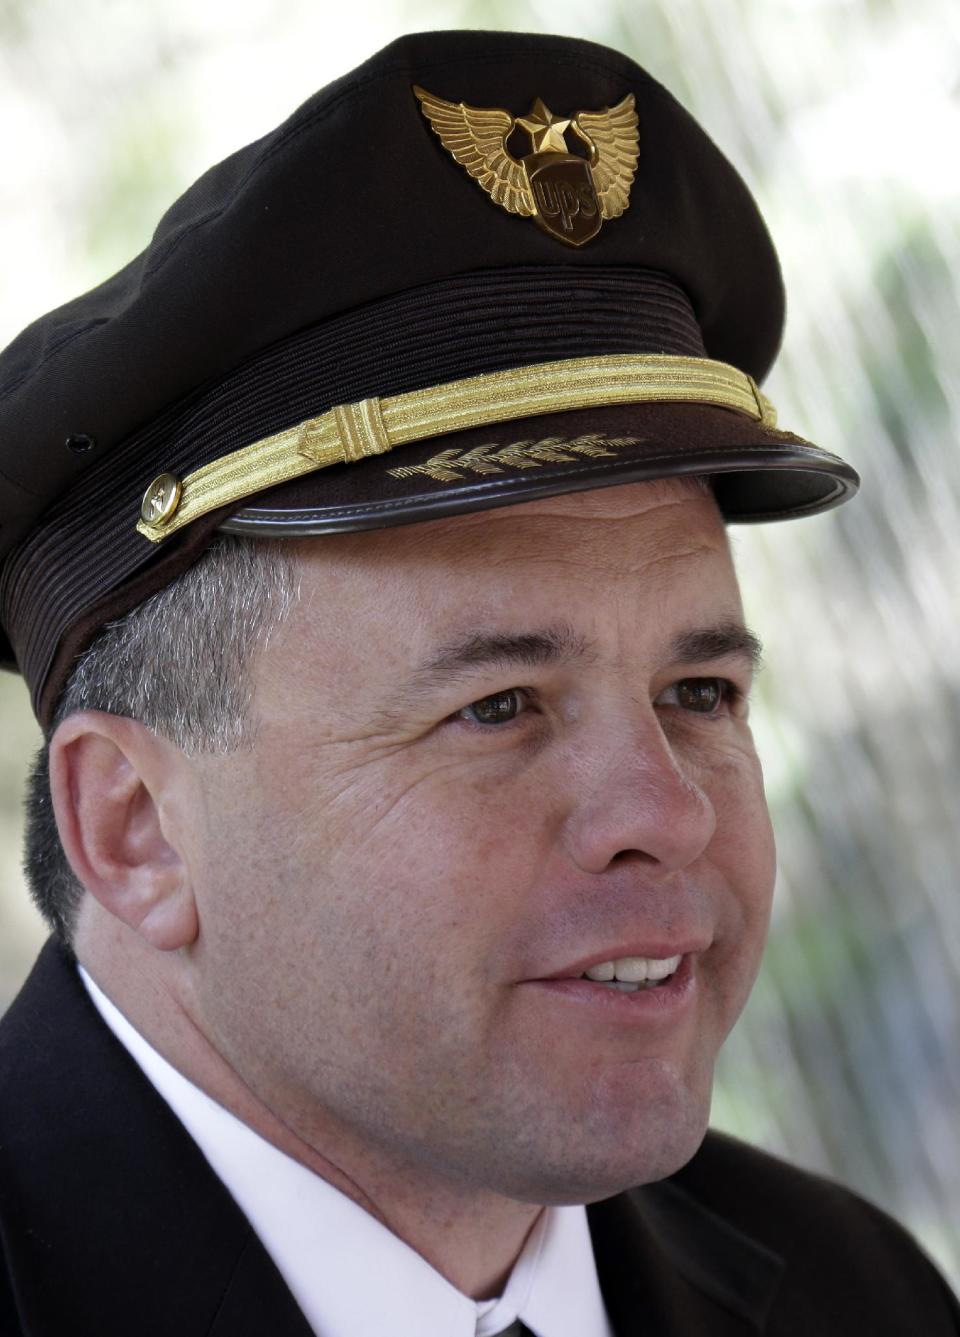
{"x": 558, "y": 644}
{"x": 719, "y": 642}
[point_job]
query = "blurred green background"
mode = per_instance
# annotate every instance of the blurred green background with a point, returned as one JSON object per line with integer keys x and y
{"x": 844, "y": 117}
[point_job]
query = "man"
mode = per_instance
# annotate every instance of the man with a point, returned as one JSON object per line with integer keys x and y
{"x": 399, "y": 823}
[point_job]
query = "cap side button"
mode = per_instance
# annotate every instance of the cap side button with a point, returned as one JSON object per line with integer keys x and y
{"x": 161, "y": 499}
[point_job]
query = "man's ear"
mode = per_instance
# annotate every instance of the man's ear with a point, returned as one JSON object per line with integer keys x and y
{"x": 118, "y": 794}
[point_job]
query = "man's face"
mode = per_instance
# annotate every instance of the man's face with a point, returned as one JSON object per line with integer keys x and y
{"x": 390, "y": 875}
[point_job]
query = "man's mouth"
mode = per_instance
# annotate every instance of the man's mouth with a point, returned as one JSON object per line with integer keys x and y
{"x": 628, "y": 974}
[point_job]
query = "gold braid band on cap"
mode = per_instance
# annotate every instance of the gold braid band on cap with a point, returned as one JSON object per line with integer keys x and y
{"x": 374, "y": 426}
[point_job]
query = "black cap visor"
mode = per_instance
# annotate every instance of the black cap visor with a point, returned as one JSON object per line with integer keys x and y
{"x": 758, "y": 472}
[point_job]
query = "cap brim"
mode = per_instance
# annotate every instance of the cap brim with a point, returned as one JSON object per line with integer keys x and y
{"x": 758, "y": 472}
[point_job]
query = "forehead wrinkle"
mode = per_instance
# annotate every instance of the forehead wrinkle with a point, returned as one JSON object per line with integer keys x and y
{"x": 583, "y": 558}
{"x": 593, "y": 527}
{"x": 649, "y": 560}
{"x": 624, "y": 572}
{"x": 600, "y": 511}
{"x": 623, "y": 501}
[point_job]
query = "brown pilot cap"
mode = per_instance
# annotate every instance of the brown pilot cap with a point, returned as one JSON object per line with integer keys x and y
{"x": 479, "y": 269}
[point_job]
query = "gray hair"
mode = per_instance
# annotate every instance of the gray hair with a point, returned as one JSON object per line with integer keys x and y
{"x": 178, "y": 663}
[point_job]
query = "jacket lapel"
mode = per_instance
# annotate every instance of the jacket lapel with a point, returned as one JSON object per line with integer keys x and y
{"x": 256, "y": 1300}
{"x": 668, "y": 1267}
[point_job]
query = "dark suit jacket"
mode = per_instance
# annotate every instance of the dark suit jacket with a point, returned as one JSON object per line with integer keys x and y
{"x": 113, "y": 1225}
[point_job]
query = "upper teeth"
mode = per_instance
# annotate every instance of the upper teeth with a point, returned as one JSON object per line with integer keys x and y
{"x": 634, "y": 969}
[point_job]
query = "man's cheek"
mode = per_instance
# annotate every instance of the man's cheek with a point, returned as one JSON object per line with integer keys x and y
{"x": 436, "y": 804}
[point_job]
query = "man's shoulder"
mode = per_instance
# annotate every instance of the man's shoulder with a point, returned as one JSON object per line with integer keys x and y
{"x": 840, "y": 1253}
{"x": 739, "y": 1241}
{"x": 766, "y": 1196}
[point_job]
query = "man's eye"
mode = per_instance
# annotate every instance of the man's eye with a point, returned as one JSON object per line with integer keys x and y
{"x": 500, "y": 708}
{"x": 704, "y": 696}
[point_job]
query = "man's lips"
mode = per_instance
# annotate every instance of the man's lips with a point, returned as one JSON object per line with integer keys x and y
{"x": 650, "y": 1010}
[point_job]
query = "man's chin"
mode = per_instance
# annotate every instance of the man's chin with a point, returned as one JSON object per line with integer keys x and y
{"x": 592, "y": 1167}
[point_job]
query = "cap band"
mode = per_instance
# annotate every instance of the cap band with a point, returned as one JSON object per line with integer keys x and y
{"x": 374, "y": 426}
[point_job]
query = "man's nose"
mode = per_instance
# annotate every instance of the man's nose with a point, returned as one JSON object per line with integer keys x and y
{"x": 634, "y": 798}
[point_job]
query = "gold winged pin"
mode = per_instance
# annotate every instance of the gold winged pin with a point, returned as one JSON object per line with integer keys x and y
{"x": 567, "y": 195}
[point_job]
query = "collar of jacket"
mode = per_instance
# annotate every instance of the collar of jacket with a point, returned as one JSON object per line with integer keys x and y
{"x": 111, "y": 1220}
{"x": 667, "y": 1264}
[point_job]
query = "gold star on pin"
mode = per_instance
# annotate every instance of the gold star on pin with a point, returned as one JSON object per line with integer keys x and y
{"x": 545, "y": 129}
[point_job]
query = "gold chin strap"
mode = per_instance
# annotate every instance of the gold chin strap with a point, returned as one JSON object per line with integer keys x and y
{"x": 374, "y": 426}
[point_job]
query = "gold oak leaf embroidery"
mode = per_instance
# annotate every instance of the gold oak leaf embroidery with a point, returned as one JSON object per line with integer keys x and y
{"x": 451, "y": 466}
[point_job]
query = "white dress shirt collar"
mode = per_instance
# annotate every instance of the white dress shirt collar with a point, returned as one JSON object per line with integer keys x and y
{"x": 351, "y": 1276}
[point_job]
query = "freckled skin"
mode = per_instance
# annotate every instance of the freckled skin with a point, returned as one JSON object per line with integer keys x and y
{"x": 373, "y": 890}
